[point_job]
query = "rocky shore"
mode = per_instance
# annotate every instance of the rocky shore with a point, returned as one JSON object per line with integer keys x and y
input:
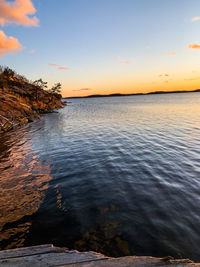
{"x": 22, "y": 102}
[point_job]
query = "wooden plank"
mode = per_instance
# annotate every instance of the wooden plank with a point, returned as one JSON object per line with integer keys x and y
{"x": 52, "y": 259}
{"x": 21, "y": 252}
{"x": 48, "y": 255}
{"x": 134, "y": 261}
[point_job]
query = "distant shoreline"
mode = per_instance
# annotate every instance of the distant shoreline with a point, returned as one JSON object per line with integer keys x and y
{"x": 150, "y": 93}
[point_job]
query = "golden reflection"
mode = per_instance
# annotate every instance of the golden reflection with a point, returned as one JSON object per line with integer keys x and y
{"x": 24, "y": 179}
{"x": 59, "y": 201}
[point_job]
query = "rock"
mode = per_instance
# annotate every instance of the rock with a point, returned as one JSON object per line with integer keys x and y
{"x": 20, "y": 104}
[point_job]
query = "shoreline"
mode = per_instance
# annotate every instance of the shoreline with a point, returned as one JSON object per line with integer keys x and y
{"x": 135, "y": 94}
{"x": 21, "y": 104}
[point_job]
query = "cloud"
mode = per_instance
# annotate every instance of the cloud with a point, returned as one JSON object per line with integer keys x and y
{"x": 8, "y": 45}
{"x": 63, "y": 68}
{"x": 171, "y": 54}
{"x": 195, "y": 18}
{"x": 83, "y": 89}
{"x": 164, "y": 75}
{"x": 32, "y": 51}
{"x": 18, "y": 12}
{"x": 193, "y": 46}
{"x": 127, "y": 62}
{"x": 192, "y": 79}
{"x": 58, "y": 67}
{"x": 146, "y": 58}
{"x": 117, "y": 58}
{"x": 53, "y": 64}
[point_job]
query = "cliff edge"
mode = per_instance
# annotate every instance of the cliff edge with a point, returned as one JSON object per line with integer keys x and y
{"x": 22, "y": 101}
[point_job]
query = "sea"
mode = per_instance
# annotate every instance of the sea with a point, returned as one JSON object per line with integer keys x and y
{"x": 116, "y": 175}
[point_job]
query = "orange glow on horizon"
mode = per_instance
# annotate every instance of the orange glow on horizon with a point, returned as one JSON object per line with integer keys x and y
{"x": 161, "y": 83}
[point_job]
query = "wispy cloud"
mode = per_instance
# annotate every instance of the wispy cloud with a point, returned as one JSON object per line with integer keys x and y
{"x": 171, "y": 54}
{"x": 127, "y": 62}
{"x": 53, "y": 64}
{"x": 8, "y": 45}
{"x": 32, "y": 51}
{"x": 164, "y": 75}
{"x": 192, "y": 79}
{"x": 83, "y": 89}
{"x": 146, "y": 58}
{"x": 58, "y": 67}
{"x": 18, "y": 12}
{"x": 117, "y": 58}
{"x": 193, "y": 46}
{"x": 195, "y": 18}
{"x": 63, "y": 68}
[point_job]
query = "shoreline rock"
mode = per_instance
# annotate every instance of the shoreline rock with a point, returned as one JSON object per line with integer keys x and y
{"x": 23, "y": 103}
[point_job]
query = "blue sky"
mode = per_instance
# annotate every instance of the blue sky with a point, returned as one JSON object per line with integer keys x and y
{"x": 110, "y": 45}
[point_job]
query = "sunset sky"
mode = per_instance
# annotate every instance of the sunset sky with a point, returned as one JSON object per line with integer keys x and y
{"x": 103, "y": 46}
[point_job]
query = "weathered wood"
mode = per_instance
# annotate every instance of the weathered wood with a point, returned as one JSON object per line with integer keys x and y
{"x": 28, "y": 251}
{"x": 133, "y": 261}
{"x": 48, "y": 255}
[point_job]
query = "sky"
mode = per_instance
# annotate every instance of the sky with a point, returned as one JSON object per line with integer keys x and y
{"x": 103, "y": 46}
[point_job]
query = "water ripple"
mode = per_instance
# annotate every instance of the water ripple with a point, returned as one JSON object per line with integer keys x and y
{"x": 117, "y": 175}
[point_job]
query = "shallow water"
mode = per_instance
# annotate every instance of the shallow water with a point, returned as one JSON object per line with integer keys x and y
{"x": 118, "y": 175}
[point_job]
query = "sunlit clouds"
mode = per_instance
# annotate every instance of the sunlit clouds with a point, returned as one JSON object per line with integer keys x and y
{"x": 58, "y": 67}
{"x": 63, "y": 68}
{"x": 196, "y": 19}
{"x": 53, "y": 64}
{"x": 83, "y": 89}
{"x": 164, "y": 75}
{"x": 171, "y": 54}
{"x": 194, "y": 46}
{"x": 192, "y": 79}
{"x": 19, "y": 12}
{"x": 8, "y": 45}
{"x": 32, "y": 51}
{"x": 137, "y": 47}
{"x": 118, "y": 60}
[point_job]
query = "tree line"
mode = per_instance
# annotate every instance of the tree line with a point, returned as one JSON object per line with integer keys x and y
{"x": 9, "y": 76}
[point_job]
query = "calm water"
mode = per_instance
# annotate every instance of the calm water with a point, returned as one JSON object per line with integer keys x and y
{"x": 116, "y": 175}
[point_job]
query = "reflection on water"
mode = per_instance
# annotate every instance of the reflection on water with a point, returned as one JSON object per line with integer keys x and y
{"x": 23, "y": 182}
{"x": 116, "y": 175}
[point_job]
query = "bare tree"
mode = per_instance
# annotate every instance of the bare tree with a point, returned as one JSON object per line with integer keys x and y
{"x": 56, "y": 89}
{"x": 40, "y": 83}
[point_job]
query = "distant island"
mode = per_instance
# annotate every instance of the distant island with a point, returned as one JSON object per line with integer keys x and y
{"x": 150, "y": 93}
